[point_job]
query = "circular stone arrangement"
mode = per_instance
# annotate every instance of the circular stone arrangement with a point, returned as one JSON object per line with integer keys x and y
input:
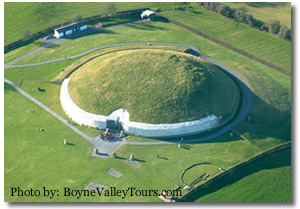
{"x": 166, "y": 91}
{"x": 199, "y": 172}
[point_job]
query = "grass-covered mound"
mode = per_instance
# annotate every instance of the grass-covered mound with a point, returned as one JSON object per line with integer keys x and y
{"x": 155, "y": 86}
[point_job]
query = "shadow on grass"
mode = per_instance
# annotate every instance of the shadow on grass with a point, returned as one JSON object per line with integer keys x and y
{"x": 185, "y": 146}
{"x": 8, "y": 88}
{"x": 265, "y": 4}
{"x": 146, "y": 27}
{"x": 135, "y": 159}
{"x": 275, "y": 160}
{"x": 163, "y": 158}
{"x": 143, "y": 161}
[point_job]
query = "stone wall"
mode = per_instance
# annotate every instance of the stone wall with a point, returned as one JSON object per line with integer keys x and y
{"x": 121, "y": 116}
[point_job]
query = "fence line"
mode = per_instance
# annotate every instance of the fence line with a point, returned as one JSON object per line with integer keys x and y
{"x": 228, "y": 46}
{"x": 230, "y": 170}
{"x": 39, "y": 34}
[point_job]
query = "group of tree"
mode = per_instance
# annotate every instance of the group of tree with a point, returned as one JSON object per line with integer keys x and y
{"x": 241, "y": 14}
{"x": 110, "y": 10}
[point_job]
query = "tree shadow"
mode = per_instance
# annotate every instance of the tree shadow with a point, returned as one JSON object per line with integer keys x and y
{"x": 89, "y": 32}
{"x": 275, "y": 160}
{"x": 51, "y": 46}
{"x": 8, "y": 88}
{"x": 265, "y": 4}
{"x": 146, "y": 27}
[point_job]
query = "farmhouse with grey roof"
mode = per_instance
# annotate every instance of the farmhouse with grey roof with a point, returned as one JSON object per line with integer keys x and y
{"x": 70, "y": 29}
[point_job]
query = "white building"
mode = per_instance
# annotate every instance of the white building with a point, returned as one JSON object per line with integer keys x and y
{"x": 70, "y": 29}
{"x": 147, "y": 14}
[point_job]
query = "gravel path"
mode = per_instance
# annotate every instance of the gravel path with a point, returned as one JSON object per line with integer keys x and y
{"x": 106, "y": 148}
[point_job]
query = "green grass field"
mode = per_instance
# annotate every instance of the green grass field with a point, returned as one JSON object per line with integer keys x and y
{"x": 199, "y": 170}
{"x": 258, "y": 43}
{"x": 267, "y": 11}
{"x": 273, "y": 100}
{"x": 266, "y": 180}
{"x": 36, "y": 159}
{"x": 174, "y": 88}
{"x": 72, "y": 166}
{"x": 53, "y": 14}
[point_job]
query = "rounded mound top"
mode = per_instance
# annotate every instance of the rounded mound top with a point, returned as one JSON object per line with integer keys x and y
{"x": 154, "y": 86}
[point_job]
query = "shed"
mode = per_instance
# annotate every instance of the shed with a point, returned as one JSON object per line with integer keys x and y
{"x": 147, "y": 14}
{"x": 70, "y": 29}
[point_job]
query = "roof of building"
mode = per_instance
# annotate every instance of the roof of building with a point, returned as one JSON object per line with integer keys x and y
{"x": 147, "y": 12}
{"x": 70, "y": 27}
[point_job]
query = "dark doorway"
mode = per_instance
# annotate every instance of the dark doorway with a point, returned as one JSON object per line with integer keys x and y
{"x": 111, "y": 124}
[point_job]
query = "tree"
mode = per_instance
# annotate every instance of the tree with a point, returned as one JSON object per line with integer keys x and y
{"x": 240, "y": 14}
{"x": 76, "y": 18}
{"x": 285, "y": 33}
{"x": 274, "y": 26}
{"x": 226, "y": 11}
{"x": 26, "y": 34}
{"x": 109, "y": 10}
{"x": 249, "y": 19}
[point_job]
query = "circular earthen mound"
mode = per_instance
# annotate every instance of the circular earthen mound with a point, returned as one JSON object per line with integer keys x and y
{"x": 154, "y": 86}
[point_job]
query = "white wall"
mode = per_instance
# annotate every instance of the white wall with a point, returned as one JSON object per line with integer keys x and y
{"x": 68, "y": 32}
{"x": 58, "y": 35}
{"x": 134, "y": 128}
{"x": 83, "y": 27}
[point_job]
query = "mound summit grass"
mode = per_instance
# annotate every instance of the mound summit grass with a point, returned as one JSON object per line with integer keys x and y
{"x": 154, "y": 86}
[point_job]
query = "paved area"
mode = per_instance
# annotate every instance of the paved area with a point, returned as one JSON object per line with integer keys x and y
{"x": 94, "y": 186}
{"x": 106, "y": 148}
{"x": 133, "y": 163}
{"x": 113, "y": 173}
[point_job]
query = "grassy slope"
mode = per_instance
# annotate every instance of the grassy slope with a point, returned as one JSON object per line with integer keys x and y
{"x": 28, "y": 165}
{"x": 258, "y": 43}
{"x": 197, "y": 171}
{"x": 267, "y": 11}
{"x": 223, "y": 150}
{"x": 278, "y": 88}
{"x": 174, "y": 88}
{"x": 16, "y": 14}
{"x": 266, "y": 180}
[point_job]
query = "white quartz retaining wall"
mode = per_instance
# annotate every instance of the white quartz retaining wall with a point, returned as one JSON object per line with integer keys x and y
{"x": 134, "y": 128}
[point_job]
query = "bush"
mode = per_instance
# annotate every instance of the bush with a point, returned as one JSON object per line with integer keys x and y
{"x": 274, "y": 26}
{"x": 76, "y": 18}
{"x": 242, "y": 15}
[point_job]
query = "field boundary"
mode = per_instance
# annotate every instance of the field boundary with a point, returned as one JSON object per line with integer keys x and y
{"x": 272, "y": 150}
{"x": 39, "y": 34}
{"x": 226, "y": 45}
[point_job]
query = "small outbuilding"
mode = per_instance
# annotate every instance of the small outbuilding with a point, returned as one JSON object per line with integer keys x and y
{"x": 147, "y": 14}
{"x": 70, "y": 29}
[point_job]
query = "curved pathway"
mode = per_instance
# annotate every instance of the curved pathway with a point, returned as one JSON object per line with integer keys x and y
{"x": 109, "y": 147}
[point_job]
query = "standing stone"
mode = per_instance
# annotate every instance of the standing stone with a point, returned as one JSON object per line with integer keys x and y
{"x": 65, "y": 141}
{"x": 131, "y": 157}
{"x": 114, "y": 155}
